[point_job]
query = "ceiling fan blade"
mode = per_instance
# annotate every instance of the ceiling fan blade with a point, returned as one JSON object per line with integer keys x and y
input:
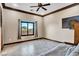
{"x": 38, "y": 9}
{"x": 33, "y": 6}
{"x": 46, "y": 4}
{"x": 44, "y": 8}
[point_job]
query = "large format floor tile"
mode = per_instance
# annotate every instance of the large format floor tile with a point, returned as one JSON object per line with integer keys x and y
{"x": 30, "y": 48}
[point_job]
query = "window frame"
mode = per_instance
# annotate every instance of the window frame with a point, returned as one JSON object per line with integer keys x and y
{"x": 27, "y": 28}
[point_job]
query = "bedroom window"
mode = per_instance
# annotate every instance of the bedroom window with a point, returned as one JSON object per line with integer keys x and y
{"x": 27, "y": 28}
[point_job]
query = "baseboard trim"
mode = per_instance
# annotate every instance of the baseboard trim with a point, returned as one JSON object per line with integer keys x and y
{"x": 70, "y": 43}
{"x": 39, "y": 39}
{"x": 23, "y": 41}
{"x": 61, "y": 42}
{"x": 53, "y": 40}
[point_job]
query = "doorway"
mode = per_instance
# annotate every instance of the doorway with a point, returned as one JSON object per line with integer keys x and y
{"x": 76, "y": 31}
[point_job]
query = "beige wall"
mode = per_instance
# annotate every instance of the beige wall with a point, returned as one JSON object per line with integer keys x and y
{"x": 10, "y": 25}
{"x": 50, "y": 26}
{"x": 53, "y": 25}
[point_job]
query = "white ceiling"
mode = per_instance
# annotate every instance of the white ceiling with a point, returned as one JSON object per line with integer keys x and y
{"x": 26, "y": 7}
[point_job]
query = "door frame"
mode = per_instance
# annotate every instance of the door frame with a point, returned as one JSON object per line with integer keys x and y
{"x": 1, "y": 29}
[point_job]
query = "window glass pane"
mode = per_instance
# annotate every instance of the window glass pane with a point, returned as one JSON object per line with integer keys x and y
{"x": 30, "y": 28}
{"x": 24, "y": 28}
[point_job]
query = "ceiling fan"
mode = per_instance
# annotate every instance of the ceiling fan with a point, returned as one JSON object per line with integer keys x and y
{"x": 40, "y": 5}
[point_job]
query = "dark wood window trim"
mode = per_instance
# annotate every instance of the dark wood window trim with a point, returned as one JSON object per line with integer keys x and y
{"x": 27, "y": 28}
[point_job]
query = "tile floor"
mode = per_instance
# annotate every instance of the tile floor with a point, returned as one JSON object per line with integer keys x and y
{"x": 30, "y": 48}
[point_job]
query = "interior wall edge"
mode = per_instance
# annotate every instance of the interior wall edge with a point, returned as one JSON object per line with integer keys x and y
{"x": 64, "y": 8}
{"x": 6, "y": 7}
{"x": 24, "y": 41}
